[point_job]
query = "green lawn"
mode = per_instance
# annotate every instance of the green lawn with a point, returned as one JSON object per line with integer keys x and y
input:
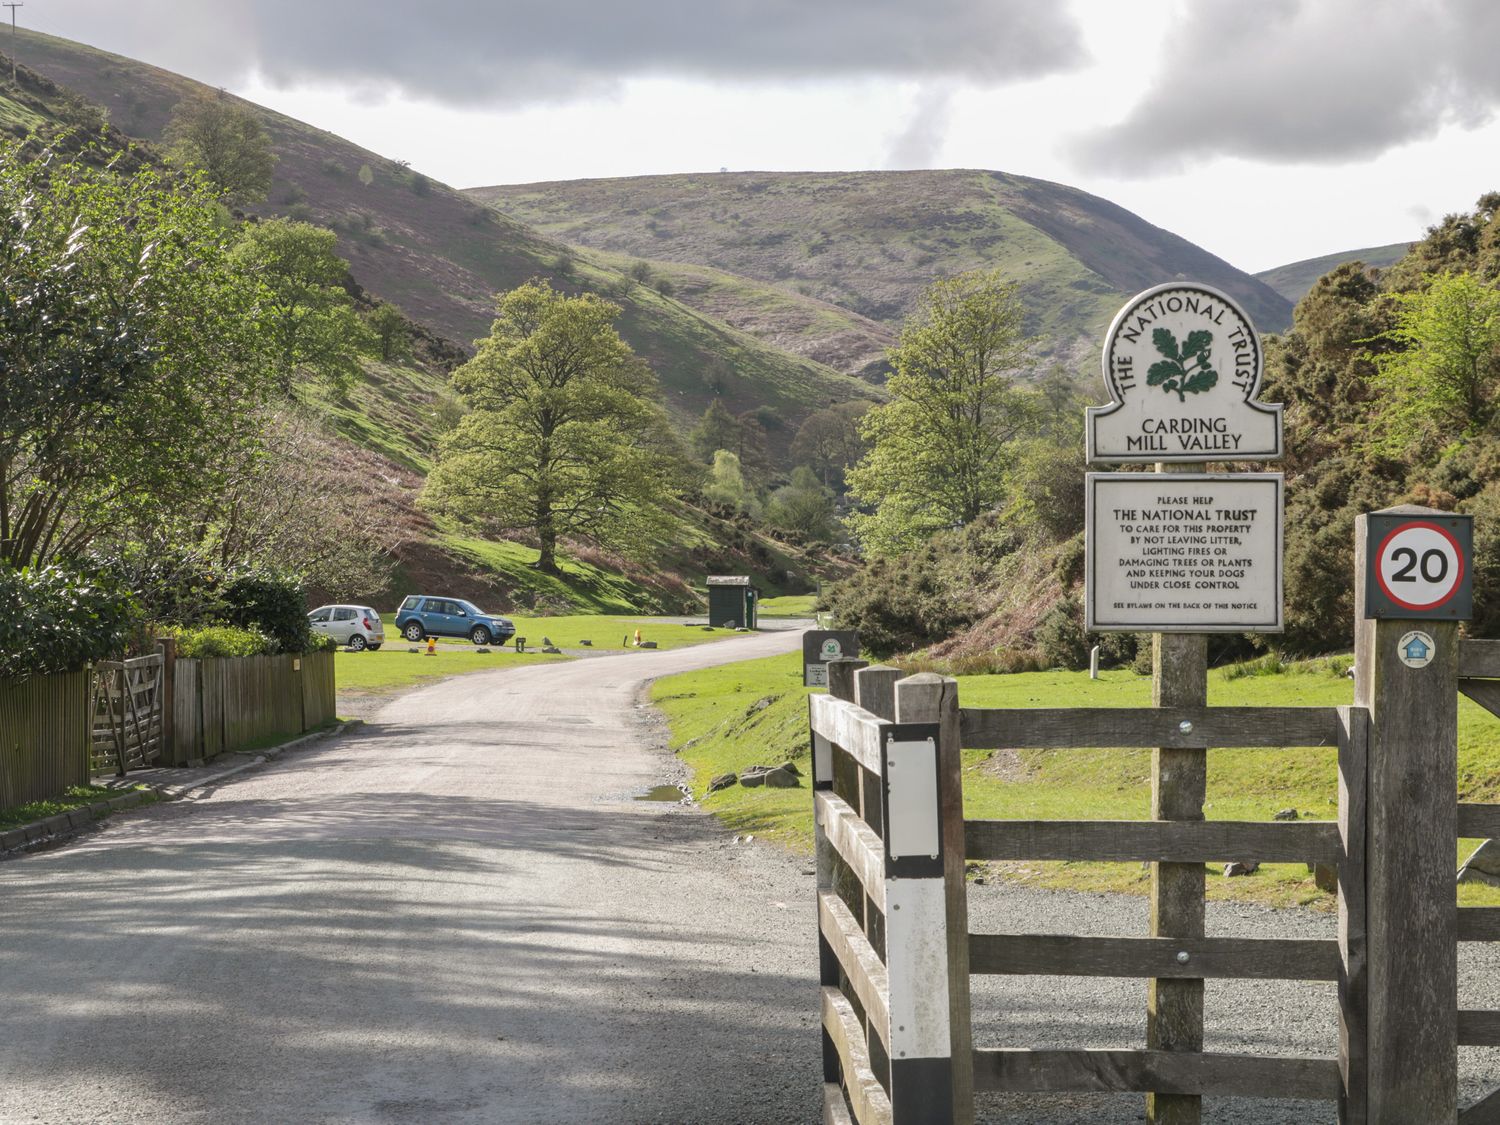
{"x": 611, "y": 633}
{"x": 395, "y": 666}
{"x": 792, "y": 605}
{"x": 755, "y": 712}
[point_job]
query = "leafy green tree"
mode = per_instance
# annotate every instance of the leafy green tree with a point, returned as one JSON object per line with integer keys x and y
{"x": 226, "y": 140}
{"x": 392, "y": 332}
{"x": 308, "y": 313}
{"x": 719, "y": 429}
{"x": 803, "y": 506}
{"x": 1441, "y": 382}
{"x": 828, "y": 441}
{"x": 727, "y": 485}
{"x": 563, "y": 436}
{"x": 131, "y": 352}
{"x": 942, "y": 448}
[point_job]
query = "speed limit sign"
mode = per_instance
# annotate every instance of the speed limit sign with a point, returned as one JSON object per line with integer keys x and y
{"x": 1420, "y": 567}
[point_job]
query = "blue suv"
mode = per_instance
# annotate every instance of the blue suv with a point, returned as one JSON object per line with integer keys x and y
{"x": 420, "y": 617}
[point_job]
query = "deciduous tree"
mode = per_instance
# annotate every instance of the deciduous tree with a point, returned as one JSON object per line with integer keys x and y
{"x": 308, "y": 313}
{"x": 131, "y": 352}
{"x": 563, "y": 436}
{"x": 941, "y": 449}
{"x": 226, "y": 141}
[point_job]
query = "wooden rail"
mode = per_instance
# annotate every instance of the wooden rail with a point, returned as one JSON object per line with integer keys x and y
{"x": 1124, "y": 841}
{"x": 1478, "y": 821}
{"x": 1231, "y": 958}
{"x": 1190, "y": 728}
{"x": 1167, "y": 1072}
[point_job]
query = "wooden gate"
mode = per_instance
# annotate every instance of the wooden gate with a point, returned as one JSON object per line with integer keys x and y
{"x": 127, "y": 714}
{"x": 866, "y": 978}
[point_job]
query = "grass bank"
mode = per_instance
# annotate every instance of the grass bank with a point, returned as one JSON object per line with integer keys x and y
{"x": 737, "y": 715}
{"x": 79, "y": 796}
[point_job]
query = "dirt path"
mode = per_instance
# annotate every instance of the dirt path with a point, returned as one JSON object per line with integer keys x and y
{"x": 458, "y": 914}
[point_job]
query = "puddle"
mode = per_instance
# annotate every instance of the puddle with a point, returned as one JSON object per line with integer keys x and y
{"x": 664, "y": 793}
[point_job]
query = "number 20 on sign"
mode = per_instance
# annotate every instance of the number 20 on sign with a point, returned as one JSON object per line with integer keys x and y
{"x": 1420, "y": 566}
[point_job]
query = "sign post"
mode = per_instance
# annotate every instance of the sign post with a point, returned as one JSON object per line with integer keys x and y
{"x": 819, "y": 646}
{"x": 1181, "y": 553}
{"x": 1413, "y": 584}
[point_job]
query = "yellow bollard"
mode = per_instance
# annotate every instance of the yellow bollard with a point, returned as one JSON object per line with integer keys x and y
{"x": 637, "y": 638}
{"x": 431, "y": 646}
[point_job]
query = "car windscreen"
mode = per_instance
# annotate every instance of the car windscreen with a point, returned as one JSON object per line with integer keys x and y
{"x": 471, "y": 609}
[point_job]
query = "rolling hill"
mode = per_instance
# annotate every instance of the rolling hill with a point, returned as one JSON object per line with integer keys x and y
{"x": 441, "y": 256}
{"x": 869, "y": 242}
{"x": 1294, "y": 280}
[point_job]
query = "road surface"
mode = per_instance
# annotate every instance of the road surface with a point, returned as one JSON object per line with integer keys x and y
{"x": 456, "y": 914}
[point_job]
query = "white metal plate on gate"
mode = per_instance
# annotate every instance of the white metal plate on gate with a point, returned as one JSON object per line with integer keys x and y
{"x": 917, "y": 962}
{"x": 912, "y": 798}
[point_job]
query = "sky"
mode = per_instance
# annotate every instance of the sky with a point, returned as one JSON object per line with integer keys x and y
{"x": 1266, "y": 131}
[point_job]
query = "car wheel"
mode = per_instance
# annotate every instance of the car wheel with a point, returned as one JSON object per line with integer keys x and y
{"x": 479, "y": 635}
{"x": 414, "y": 631}
{"x": 357, "y": 643}
{"x": 374, "y": 648}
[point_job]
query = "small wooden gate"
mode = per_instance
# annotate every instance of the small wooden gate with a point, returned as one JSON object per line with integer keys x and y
{"x": 127, "y": 713}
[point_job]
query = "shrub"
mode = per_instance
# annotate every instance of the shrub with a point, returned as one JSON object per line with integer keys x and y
{"x": 53, "y": 620}
{"x": 272, "y": 603}
{"x": 217, "y": 641}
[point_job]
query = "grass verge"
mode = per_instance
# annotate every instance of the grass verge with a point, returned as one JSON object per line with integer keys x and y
{"x": 792, "y": 605}
{"x": 609, "y": 633}
{"x": 737, "y": 715}
{"x": 78, "y": 796}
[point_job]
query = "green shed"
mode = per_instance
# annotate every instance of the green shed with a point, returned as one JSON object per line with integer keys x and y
{"x": 731, "y": 601}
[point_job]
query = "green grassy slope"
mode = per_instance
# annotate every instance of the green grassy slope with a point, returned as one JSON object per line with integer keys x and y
{"x": 1294, "y": 280}
{"x": 871, "y": 241}
{"x": 441, "y": 256}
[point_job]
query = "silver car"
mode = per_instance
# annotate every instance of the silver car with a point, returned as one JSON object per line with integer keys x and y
{"x": 357, "y": 626}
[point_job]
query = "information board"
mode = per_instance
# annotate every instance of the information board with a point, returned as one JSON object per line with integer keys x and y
{"x": 819, "y": 646}
{"x": 1184, "y": 553}
{"x": 1420, "y": 566}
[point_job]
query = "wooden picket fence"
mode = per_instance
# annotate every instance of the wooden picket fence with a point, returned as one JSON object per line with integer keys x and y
{"x": 223, "y": 705}
{"x": 44, "y": 736}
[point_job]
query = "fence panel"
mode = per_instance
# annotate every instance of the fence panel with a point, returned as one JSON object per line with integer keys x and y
{"x": 44, "y": 736}
{"x": 224, "y": 705}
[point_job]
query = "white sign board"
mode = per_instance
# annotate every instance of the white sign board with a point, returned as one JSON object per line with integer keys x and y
{"x": 1183, "y": 365}
{"x": 1184, "y": 553}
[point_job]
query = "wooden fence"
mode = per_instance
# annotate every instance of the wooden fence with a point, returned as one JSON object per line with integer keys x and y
{"x": 220, "y": 706}
{"x": 44, "y": 736}
{"x": 886, "y": 822}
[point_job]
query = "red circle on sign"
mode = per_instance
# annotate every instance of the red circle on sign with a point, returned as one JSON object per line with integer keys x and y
{"x": 1425, "y": 525}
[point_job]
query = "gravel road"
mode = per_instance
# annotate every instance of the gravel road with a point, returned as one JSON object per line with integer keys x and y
{"x": 460, "y": 914}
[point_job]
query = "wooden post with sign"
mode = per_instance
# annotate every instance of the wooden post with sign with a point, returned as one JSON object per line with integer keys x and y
{"x": 1406, "y": 675}
{"x": 1178, "y": 554}
{"x": 1179, "y": 780}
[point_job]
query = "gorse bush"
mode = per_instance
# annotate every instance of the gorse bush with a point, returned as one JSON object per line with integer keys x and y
{"x": 53, "y": 620}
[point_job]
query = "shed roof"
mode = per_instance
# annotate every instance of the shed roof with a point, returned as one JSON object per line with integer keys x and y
{"x": 729, "y": 580}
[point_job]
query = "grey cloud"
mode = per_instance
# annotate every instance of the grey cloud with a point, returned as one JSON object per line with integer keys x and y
{"x": 1306, "y": 80}
{"x": 468, "y": 52}
{"x": 919, "y": 144}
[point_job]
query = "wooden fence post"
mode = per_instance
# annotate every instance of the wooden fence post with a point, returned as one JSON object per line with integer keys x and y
{"x": 168, "y": 701}
{"x": 928, "y": 698}
{"x": 1412, "y": 952}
